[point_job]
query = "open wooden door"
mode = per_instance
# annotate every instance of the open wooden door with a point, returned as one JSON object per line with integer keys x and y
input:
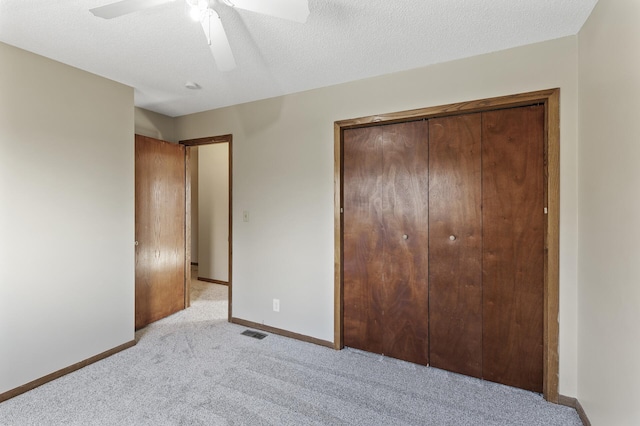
{"x": 160, "y": 229}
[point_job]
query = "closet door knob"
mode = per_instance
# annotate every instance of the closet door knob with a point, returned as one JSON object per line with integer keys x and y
{"x": 452, "y": 237}
{"x": 405, "y": 237}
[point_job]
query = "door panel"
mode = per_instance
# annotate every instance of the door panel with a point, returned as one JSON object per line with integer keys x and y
{"x": 362, "y": 239}
{"x": 405, "y": 184}
{"x": 513, "y": 255}
{"x": 455, "y": 268}
{"x": 160, "y": 229}
{"x": 385, "y": 183}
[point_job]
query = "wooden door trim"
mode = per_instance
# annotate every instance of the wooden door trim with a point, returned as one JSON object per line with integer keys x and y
{"x": 551, "y": 100}
{"x": 209, "y": 140}
{"x": 187, "y": 228}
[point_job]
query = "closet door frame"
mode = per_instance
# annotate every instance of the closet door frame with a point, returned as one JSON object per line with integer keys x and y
{"x": 550, "y": 99}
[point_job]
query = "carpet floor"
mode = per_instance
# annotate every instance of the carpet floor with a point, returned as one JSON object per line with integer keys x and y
{"x": 194, "y": 368}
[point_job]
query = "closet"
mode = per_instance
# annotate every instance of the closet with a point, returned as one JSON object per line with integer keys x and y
{"x": 443, "y": 242}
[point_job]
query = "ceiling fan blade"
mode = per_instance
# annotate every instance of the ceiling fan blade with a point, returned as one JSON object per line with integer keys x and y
{"x": 292, "y": 10}
{"x": 218, "y": 42}
{"x": 124, "y": 7}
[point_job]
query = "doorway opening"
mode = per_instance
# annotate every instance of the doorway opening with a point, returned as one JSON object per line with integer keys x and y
{"x": 209, "y": 214}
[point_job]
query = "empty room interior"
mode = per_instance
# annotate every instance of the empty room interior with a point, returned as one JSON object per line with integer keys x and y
{"x": 424, "y": 185}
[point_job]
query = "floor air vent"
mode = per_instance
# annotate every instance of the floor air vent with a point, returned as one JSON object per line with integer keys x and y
{"x": 254, "y": 334}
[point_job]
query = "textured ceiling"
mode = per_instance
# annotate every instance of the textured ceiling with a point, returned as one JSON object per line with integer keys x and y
{"x": 158, "y": 50}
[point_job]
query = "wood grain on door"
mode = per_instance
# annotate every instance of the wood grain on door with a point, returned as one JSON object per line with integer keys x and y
{"x": 513, "y": 255}
{"x": 455, "y": 243}
{"x": 385, "y": 247}
{"x": 160, "y": 229}
{"x": 363, "y": 239}
{"x": 405, "y": 186}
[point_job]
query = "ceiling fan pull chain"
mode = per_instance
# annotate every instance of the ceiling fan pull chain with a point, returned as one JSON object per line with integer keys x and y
{"x": 209, "y": 27}
{"x": 207, "y": 14}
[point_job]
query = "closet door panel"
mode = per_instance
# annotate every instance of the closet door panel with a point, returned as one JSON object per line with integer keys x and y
{"x": 405, "y": 184}
{"x": 363, "y": 238}
{"x": 513, "y": 255}
{"x": 455, "y": 244}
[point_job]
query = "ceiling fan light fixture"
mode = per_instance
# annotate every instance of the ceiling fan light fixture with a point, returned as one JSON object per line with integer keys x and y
{"x": 194, "y": 13}
{"x": 198, "y": 9}
{"x": 204, "y": 11}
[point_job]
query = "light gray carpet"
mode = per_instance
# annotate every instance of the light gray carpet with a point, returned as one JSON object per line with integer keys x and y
{"x": 194, "y": 368}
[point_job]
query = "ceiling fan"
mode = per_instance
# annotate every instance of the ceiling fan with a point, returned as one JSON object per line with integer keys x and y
{"x": 203, "y": 11}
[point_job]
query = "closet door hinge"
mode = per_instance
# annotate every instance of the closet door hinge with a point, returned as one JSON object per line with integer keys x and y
{"x": 342, "y": 210}
{"x": 546, "y": 211}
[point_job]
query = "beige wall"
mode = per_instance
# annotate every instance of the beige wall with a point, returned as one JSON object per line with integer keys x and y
{"x": 283, "y": 174}
{"x": 154, "y": 125}
{"x": 609, "y": 218}
{"x": 66, "y": 216}
{"x": 213, "y": 211}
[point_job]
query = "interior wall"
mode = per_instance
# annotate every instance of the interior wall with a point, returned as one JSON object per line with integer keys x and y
{"x": 609, "y": 214}
{"x": 154, "y": 125}
{"x": 284, "y": 168}
{"x": 66, "y": 216}
{"x": 213, "y": 211}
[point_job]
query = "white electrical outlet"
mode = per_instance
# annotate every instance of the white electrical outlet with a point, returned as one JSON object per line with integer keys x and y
{"x": 276, "y": 305}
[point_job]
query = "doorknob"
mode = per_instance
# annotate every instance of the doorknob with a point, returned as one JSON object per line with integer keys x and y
{"x": 135, "y": 243}
{"x": 452, "y": 237}
{"x": 405, "y": 237}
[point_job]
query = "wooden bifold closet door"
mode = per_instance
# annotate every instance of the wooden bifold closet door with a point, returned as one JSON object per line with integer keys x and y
{"x": 455, "y": 243}
{"x": 513, "y": 246}
{"x": 443, "y": 243}
{"x": 385, "y": 240}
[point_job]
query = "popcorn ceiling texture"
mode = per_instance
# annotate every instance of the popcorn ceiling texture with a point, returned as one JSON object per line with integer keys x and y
{"x": 158, "y": 50}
